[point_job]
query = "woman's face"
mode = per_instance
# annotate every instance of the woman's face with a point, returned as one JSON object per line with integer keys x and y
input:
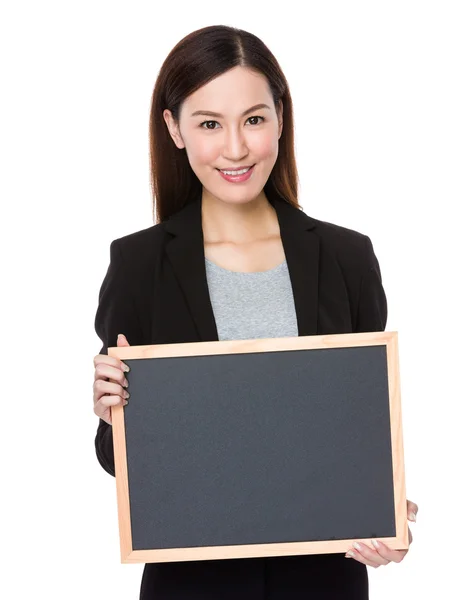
{"x": 243, "y": 132}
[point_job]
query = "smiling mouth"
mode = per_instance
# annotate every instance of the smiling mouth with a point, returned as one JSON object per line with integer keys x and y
{"x": 232, "y": 172}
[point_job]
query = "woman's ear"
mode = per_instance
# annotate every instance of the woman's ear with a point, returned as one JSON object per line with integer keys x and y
{"x": 173, "y": 128}
{"x": 280, "y": 117}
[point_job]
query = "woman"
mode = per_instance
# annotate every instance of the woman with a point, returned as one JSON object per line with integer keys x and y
{"x": 232, "y": 256}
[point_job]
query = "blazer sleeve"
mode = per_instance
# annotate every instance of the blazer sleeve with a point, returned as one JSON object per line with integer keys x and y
{"x": 115, "y": 314}
{"x": 372, "y": 305}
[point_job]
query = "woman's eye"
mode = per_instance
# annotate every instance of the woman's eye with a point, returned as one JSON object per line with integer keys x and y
{"x": 206, "y": 123}
{"x": 256, "y": 118}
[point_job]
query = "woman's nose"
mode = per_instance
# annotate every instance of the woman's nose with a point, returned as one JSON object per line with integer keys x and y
{"x": 234, "y": 146}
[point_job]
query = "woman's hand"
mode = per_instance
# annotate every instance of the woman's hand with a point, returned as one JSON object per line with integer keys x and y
{"x": 109, "y": 383}
{"x": 383, "y": 555}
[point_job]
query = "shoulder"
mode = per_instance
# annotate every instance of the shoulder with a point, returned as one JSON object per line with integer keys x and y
{"x": 142, "y": 239}
{"x": 337, "y": 234}
{"x": 337, "y": 240}
{"x": 332, "y": 236}
{"x": 349, "y": 246}
{"x": 136, "y": 254}
{"x": 137, "y": 250}
{"x": 351, "y": 253}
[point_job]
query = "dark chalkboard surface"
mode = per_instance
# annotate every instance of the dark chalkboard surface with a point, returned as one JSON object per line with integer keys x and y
{"x": 264, "y": 447}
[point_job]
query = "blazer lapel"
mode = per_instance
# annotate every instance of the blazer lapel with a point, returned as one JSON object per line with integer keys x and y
{"x": 301, "y": 246}
{"x": 185, "y": 252}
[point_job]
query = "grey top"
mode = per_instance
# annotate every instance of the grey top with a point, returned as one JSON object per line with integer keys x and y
{"x": 252, "y": 305}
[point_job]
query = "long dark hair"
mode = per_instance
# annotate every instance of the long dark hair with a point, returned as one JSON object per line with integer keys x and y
{"x": 194, "y": 61}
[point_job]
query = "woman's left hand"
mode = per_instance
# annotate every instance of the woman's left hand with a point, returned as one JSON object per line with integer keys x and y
{"x": 383, "y": 555}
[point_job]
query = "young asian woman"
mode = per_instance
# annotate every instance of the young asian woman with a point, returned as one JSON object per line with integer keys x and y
{"x": 233, "y": 256}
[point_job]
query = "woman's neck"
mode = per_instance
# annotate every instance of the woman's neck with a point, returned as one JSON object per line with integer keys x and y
{"x": 238, "y": 223}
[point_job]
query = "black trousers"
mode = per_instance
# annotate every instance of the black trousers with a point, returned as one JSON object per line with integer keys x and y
{"x": 306, "y": 577}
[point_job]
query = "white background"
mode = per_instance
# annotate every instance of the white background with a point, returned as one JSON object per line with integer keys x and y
{"x": 378, "y": 97}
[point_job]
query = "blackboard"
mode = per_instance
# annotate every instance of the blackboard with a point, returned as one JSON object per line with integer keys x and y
{"x": 265, "y": 447}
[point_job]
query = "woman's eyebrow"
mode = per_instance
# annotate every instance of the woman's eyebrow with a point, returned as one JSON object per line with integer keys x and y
{"x": 209, "y": 113}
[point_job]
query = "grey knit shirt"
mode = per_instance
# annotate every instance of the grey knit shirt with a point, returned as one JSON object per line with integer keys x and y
{"x": 252, "y": 305}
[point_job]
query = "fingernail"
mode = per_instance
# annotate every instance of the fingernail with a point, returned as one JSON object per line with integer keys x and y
{"x": 412, "y": 516}
{"x": 126, "y": 394}
{"x": 125, "y": 367}
{"x": 375, "y": 543}
{"x": 126, "y": 383}
{"x": 350, "y": 555}
{"x": 357, "y": 546}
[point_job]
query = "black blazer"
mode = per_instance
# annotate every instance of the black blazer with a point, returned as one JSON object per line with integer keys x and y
{"x": 155, "y": 289}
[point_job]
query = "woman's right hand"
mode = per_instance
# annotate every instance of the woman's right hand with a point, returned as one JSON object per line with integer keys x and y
{"x": 109, "y": 393}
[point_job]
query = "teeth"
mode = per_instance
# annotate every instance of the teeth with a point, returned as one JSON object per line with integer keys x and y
{"x": 236, "y": 172}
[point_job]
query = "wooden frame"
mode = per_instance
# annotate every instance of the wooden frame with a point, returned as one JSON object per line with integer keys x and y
{"x": 389, "y": 339}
